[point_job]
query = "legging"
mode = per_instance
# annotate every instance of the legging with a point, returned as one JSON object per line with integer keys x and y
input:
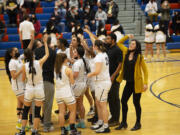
{"x": 128, "y": 91}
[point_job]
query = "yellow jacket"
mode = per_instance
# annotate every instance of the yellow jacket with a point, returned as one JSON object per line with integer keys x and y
{"x": 140, "y": 66}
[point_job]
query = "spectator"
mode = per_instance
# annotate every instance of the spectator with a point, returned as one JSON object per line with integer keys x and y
{"x": 72, "y": 17}
{"x": 165, "y": 15}
{"x": 151, "y": 9}
{"x": 22, "y": 13}
{"x": 112, "y": 11}
{"x": 57, "y": 17}
{"x": 51, "y": 30}
{"x": 117, "y": 29}
{"x": 62, "y": 4}
{"x": 88, "y": 18}
{"x": 1, "y": 6}
{"x": 102, "y": 3}
{"x": 73, "y": 3}
{"x": 90, "y": 3}
{"x": 176, "y": 23}
{"x": 12, "y": 10}
{"x": 31, "y": 5}
{"x": 36, "y": 23}
{"x": 101, "y": 32}
{"x": 77, "y": 29}
{"x": 100, "y": 16}
{"x": 2, "y": 30}
{"x": 26, "y": 31}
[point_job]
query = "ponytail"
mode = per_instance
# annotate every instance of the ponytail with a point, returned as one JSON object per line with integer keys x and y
{"x": 81, "y": 52}
{"x": 29, "y": 58}
{"x": 60, "y": 58}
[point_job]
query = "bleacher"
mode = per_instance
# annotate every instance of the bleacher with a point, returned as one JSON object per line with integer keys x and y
{"x": 175, "y": 44}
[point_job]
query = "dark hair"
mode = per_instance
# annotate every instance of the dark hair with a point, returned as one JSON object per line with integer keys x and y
{"x": 116, "y": 22}
{"x": 7, "y": 59}
{"x": 26, "y": 16}
{"x": 100, "y": 45}
{"x": 64, "y": 43}
{"x": 35, "y": 43}
{"x": 60, "y": 58}
{"x": 28, "y": 53}
{"x": 35, "y": 18}
{"x": 138, "y": 47}
{"x": 81, "y": 52}
{"x": 49, "y": 40}
{"x": 113, "y": 36}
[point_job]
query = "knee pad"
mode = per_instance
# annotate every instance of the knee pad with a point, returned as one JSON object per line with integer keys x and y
{"x": 37, "y": 111}
{"x": 25, "y": 112}
{"x": 20, "y": 111}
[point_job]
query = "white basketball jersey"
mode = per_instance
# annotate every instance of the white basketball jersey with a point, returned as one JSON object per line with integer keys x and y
{"x": 104, "y": 74}
{"x": 38, "y": 79}
{"x": 62, "y": 84}
{"x": 79, "y": 66}
{"x": 67, "y": 52}
{"x": 16, "y": 65}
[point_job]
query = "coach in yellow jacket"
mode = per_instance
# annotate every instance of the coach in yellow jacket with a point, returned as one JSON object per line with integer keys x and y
{"x": 134, "y": 71}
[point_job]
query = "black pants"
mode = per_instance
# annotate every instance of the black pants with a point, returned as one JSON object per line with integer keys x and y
{"x": 26, "y": 43}
{"x": 12, "y": 16}
{"x": 128, "y": 91}
{"x": 114, "y": 101}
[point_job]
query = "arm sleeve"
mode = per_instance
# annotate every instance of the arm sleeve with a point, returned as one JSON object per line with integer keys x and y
{"x": 98, "y": 59}
{"x": 145, "y": 71}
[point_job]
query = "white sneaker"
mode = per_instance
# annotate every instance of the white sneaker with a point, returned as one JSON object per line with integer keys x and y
{"x": 96, "y": 126}
{"x": 91, "y": 112}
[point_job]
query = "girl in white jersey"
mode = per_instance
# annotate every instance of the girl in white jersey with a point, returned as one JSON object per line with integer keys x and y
{"x": 149, "y": 38}
{"x": 32, "y": 70}
{"x": 79, "y": 70}
{"x": 18, "y": 86}
{"x": 160, "y": 39}
{"x": 63, "y": 47}
{"x": 64, "y": 94}
{"x": 102, "y": 86}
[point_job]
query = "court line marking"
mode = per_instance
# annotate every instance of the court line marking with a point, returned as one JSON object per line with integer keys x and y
{"x": 163, "y": 91}
{"x": 167, "y": 101}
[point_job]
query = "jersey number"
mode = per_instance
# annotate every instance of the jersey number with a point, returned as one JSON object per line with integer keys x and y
{"x": 107, "y": 61}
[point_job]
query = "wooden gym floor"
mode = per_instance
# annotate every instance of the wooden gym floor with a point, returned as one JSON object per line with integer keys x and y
{"x": 160, "y": 104}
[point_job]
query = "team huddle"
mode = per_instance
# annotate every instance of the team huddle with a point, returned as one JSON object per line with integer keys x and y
{"x": 77, "y": 69}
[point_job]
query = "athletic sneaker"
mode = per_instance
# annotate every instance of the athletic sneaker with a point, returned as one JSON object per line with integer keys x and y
{"x": 48, "y": 129}
{"x": 96, "y": 126}
{"x": 35, "y": 133}
{"x": 19, "y": 125}
{"x": 103, "y": 130}
{"x": 64, "y": 132}
{"x": 21, "y": 133}
{"x": 81, "y": 125}
{"x": 75, "y": 132}
{"x": 91, "y": 111}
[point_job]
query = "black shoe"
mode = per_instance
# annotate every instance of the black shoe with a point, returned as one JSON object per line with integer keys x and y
{"x": 103, "y": 130}
{"x": 113, "y": 123}
{"x": 64, "y": 132}
{"x": 75, "y": 132}
{"x": 21, "y": 133}
{"x": 137, "y": 126}
{"x": 35, "y": 133}
{"x": 56, "y": 111}
{"x": 121, "y": 126}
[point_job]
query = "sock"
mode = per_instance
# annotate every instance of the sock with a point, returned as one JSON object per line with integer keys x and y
{"x": 34, "y": 130}
{"x": 105, "y": 125}
{"x": 81, "y": 120}
{"x": 63, "y": 128}
{"x": 19, "y": 121}
{"x": 72, "y": 126}
{"x": 100, "y": 122}
{"x": 23, "y": 128}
